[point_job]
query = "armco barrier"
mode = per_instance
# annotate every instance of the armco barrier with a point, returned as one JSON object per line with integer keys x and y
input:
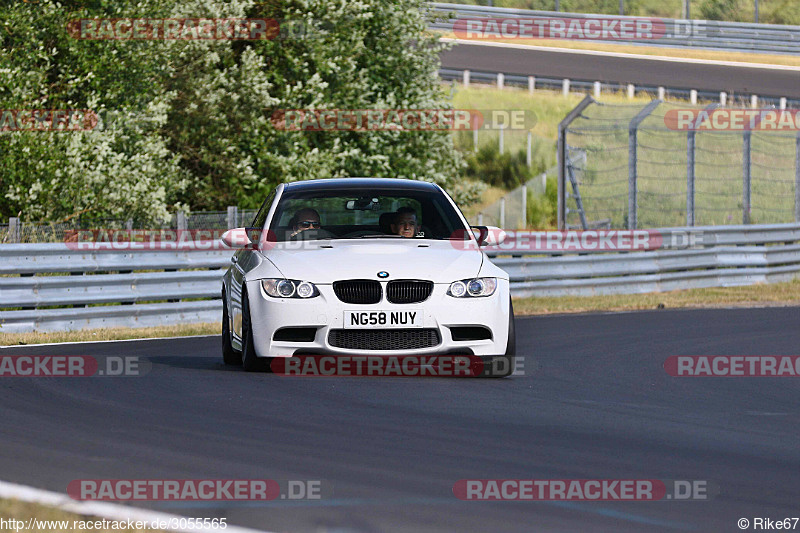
{"x": 151, "y": 288}
{"x": 707, "y": 34}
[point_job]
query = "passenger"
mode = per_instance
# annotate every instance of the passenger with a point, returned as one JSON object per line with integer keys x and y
{"x": 405, "y": 222}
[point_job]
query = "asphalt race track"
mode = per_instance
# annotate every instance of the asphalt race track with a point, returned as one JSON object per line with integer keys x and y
{"x": 595, "y": 403}
{"x": 610, "y": 69}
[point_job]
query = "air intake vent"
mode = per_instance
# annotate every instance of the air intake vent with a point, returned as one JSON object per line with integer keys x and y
{"x": 358, "y": 291}
{"x": 384, "y": 339}
{"x": 408, "y": 291}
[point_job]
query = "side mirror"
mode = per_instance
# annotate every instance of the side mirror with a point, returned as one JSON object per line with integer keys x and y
{"x": 489, "y": 235}
{"x": 236, "y": 238}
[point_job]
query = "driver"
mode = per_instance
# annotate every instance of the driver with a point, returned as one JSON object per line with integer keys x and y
{"x": 304, "y": 219}
{"x": 404, "y": 222}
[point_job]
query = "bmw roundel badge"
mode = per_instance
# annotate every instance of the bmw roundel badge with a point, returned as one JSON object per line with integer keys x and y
{"x": 383, "y": 274}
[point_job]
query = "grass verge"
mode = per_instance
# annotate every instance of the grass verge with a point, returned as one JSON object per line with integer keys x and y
{"x": 761, "y": 295}
{"x": 106, "y": 334}
{"x": 24, "y": 511}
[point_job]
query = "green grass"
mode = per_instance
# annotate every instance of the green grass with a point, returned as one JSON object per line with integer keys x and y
{"x": 761, "y": 295}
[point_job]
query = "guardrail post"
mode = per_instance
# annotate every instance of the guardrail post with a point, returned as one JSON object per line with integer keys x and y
{"x": 723, "y": 98}
{"x": 631, "y": 90}
{"x": 561, "y": 154}
{"x": 531, "y": 84}
{"x": 500, "y": 80}
{"x": 233, "y": 216}
{"x": 632, "y": 177}
{"x": 754, "y": 101}
{"x": 465, "y": 79}
{"x": 565, "y": 87}
{"x": 14, "y": 230}
{"x": 661, "y": 93}
{"x": 797, "y": 177}
{"x": 746, "y": 177}
{"x": 596, "y": 92}
{"x": 693, "y": 96}
{"x": 782, "y": 102}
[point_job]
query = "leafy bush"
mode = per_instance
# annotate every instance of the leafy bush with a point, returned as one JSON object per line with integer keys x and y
{"x": 542, "y": 208}
{"x": 507, "y": 170}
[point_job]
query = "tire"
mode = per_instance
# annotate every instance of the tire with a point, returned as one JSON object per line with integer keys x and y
{"x": 250, "y": 361}
{"x": 503, "y": 365}
{"x": 229, "y": 355}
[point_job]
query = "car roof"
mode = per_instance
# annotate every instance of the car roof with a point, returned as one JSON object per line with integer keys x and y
{"x": 359, "y": 183}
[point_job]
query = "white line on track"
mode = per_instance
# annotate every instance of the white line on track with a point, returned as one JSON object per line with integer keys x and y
{"x": 110, "y": 511}
{"x": 110, "y": 340}
{"x": 666, "y": 59}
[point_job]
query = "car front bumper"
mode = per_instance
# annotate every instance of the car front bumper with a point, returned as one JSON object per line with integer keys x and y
{"x": 326, "y": 312}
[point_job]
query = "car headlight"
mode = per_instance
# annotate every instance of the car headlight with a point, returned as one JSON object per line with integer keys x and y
{"x": 475, "y": 287}
{"x": 289, "y": 288}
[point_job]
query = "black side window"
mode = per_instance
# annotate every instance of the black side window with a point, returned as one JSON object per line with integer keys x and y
{"x": 261, "y": 216}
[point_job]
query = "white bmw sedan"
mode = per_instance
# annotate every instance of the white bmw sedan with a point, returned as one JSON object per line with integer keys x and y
{"x": 361, "y": 266}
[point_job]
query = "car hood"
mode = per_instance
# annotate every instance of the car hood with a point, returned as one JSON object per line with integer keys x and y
{"x": 324, "y": 262}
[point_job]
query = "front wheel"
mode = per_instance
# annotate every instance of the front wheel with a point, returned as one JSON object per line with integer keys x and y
{"x": 502, "y": 366}
{"x": 250, "y": 361}
{"x": 229, "y": 355}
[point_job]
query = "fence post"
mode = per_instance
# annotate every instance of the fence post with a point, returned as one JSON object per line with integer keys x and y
{"x": 14, "y": 230}
{"x": 797, "y": 178}
{"x": 180, "y": 221}
{"x": 690, "y": 169}
{"x": 632, "y": 145}
{"x": 561, "y": 154}
{"x": 746, "y": 177}
{"x": 233, "y": 216}
{"x": 529, "y": 154}
{"x": 690, "y": 146}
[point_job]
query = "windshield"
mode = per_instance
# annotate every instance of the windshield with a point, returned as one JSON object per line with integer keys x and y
{"x": 360, "y": 214}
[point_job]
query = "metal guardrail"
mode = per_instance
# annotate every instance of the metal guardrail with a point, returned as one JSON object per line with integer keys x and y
{"x": 108, "y": 288}
{"x": 708, "y": 34}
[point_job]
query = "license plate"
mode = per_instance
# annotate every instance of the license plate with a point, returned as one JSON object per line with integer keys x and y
{"x": 408, "y": 318}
